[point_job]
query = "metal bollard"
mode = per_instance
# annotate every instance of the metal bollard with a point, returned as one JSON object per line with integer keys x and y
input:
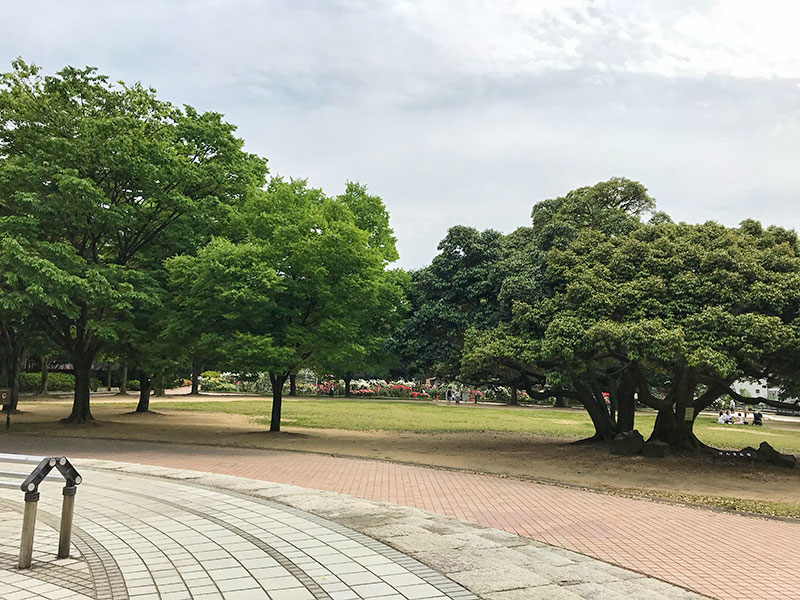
{"x": 28, "y": 529}
{"x": 65, "y": 533}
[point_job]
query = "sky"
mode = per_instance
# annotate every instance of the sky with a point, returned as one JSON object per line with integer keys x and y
{"x": 469, "y": 112}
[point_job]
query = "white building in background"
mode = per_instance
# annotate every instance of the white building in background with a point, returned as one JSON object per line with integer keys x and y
{"x": 753, "y": 389}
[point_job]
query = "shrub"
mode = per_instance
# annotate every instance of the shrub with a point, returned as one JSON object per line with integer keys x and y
{"x": 29, "y": 382}
{"x": 56, "y": 382}
{"x": 214, "y": 385}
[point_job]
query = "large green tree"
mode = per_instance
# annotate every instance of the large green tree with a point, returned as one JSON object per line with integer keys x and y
{"x": 28, "y": 283}
{"x": 107, "y": 178}
{"x": 287, "y": 293}
{"x": 457, "y": 290}
{"x": 532, "y": 345}
{"x": 680, "y": 312}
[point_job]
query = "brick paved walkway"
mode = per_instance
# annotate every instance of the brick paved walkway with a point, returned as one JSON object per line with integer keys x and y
{"x": 719, "y": 554}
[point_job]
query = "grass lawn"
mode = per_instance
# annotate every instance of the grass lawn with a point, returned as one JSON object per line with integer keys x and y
{"x": 363, "y": 415}
{"x": 506, "y": 441}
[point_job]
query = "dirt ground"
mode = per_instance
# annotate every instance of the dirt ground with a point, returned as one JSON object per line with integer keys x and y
{"x": 509, "y": 454}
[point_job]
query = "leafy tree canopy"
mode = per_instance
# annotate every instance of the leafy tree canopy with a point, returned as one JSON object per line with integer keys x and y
{"x": 107, "y": 179}
{"x": 298, "y": 287}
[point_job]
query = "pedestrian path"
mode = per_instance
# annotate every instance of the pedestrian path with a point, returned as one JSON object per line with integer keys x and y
{"x": 137, "y": 538}
{"x": 146, "y": 532}
{"x": 690, "y": 547}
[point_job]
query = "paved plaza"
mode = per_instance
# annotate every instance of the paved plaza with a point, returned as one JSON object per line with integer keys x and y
{"x": 148, "y": 532}
{"x": 140, "y": 538}
{"x": 691, "y": 547}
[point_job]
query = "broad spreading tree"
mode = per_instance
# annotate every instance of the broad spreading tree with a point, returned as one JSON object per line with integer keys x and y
{"x": 682, "y": 311}
{"x": 106, "y": 178}
{"x": 533, "y": 345}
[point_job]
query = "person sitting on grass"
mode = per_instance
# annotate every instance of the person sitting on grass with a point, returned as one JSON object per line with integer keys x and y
{"x": 728, "y": 418}
{"x": 757, "y": 416}
{"x": 740, "y": 420}
{"x": 721, "y": 418}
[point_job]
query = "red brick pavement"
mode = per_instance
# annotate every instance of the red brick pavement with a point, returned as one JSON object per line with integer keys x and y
{"x": 719, "y": 554}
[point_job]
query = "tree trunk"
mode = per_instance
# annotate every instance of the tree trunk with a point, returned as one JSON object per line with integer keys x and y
{"x": 671, "y": 427}
{"x": 514, "y": 398}
{"x": 109, "y": 369}
{"x": 277, "y": 381}
{"x": 604, "y": 427}
{"x": 348, "y": 377}
{"x": 195, "y": 378}
{"x": 293, "y": 384}
{"x": 626, "y": 403}
{"x": 15, "y": 352}
{"x": 145, "y": 384}
{"x": 123, "y": 380}
{"x": 12, "y": 374}
{"x": 675, "y": 425}
{"x": 665, "y": 429}
{"x": 43, "y": 380}
{"x": 81, "y": 411}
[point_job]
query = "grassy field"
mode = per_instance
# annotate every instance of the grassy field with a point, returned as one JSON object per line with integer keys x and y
{"x": 361, "y": 415}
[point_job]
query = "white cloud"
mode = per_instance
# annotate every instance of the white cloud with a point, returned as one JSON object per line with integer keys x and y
{"x": 470, "y": 111}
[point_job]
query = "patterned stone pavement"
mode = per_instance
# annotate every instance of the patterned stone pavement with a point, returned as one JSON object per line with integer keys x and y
{"x": 137, "y": 538}
{"x": 209, "y": 536}
{"x": 698, "y": 549}
{"x": 66, "y": 578}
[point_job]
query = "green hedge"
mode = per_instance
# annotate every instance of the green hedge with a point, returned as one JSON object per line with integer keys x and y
{"x": 56, "y": 382}
{"x": 217, "y": 386}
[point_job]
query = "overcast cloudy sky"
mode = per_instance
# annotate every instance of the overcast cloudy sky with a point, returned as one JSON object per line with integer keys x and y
{"x": 470, "y": 111}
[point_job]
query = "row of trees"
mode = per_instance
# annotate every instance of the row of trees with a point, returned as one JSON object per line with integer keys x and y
{"x": 592, "y": 302}
{"x": 135, "y": 230}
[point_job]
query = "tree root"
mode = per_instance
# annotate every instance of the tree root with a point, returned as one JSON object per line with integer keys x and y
{"x": 74, "y": 420}
{"x": 595, "y": 439}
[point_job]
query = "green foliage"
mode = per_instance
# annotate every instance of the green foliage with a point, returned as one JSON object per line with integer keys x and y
{"x": 458, "y": 290}
{"x": 56, "y": 382}
{"x": 215, "y": 385}
{"x": 102, "y": 182}
{"x": 613, "y": 207}
{"x": 714, "y": 301}
{"x": 602, "y": 302}
{"x": 297, "y": 287}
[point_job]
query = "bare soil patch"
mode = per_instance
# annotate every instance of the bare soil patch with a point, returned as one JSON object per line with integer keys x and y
{"x": 501, "y": 453}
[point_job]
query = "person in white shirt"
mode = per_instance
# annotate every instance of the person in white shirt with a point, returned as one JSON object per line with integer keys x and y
{"x": 721, "y": 418}
{"x": 732, "y": 405}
